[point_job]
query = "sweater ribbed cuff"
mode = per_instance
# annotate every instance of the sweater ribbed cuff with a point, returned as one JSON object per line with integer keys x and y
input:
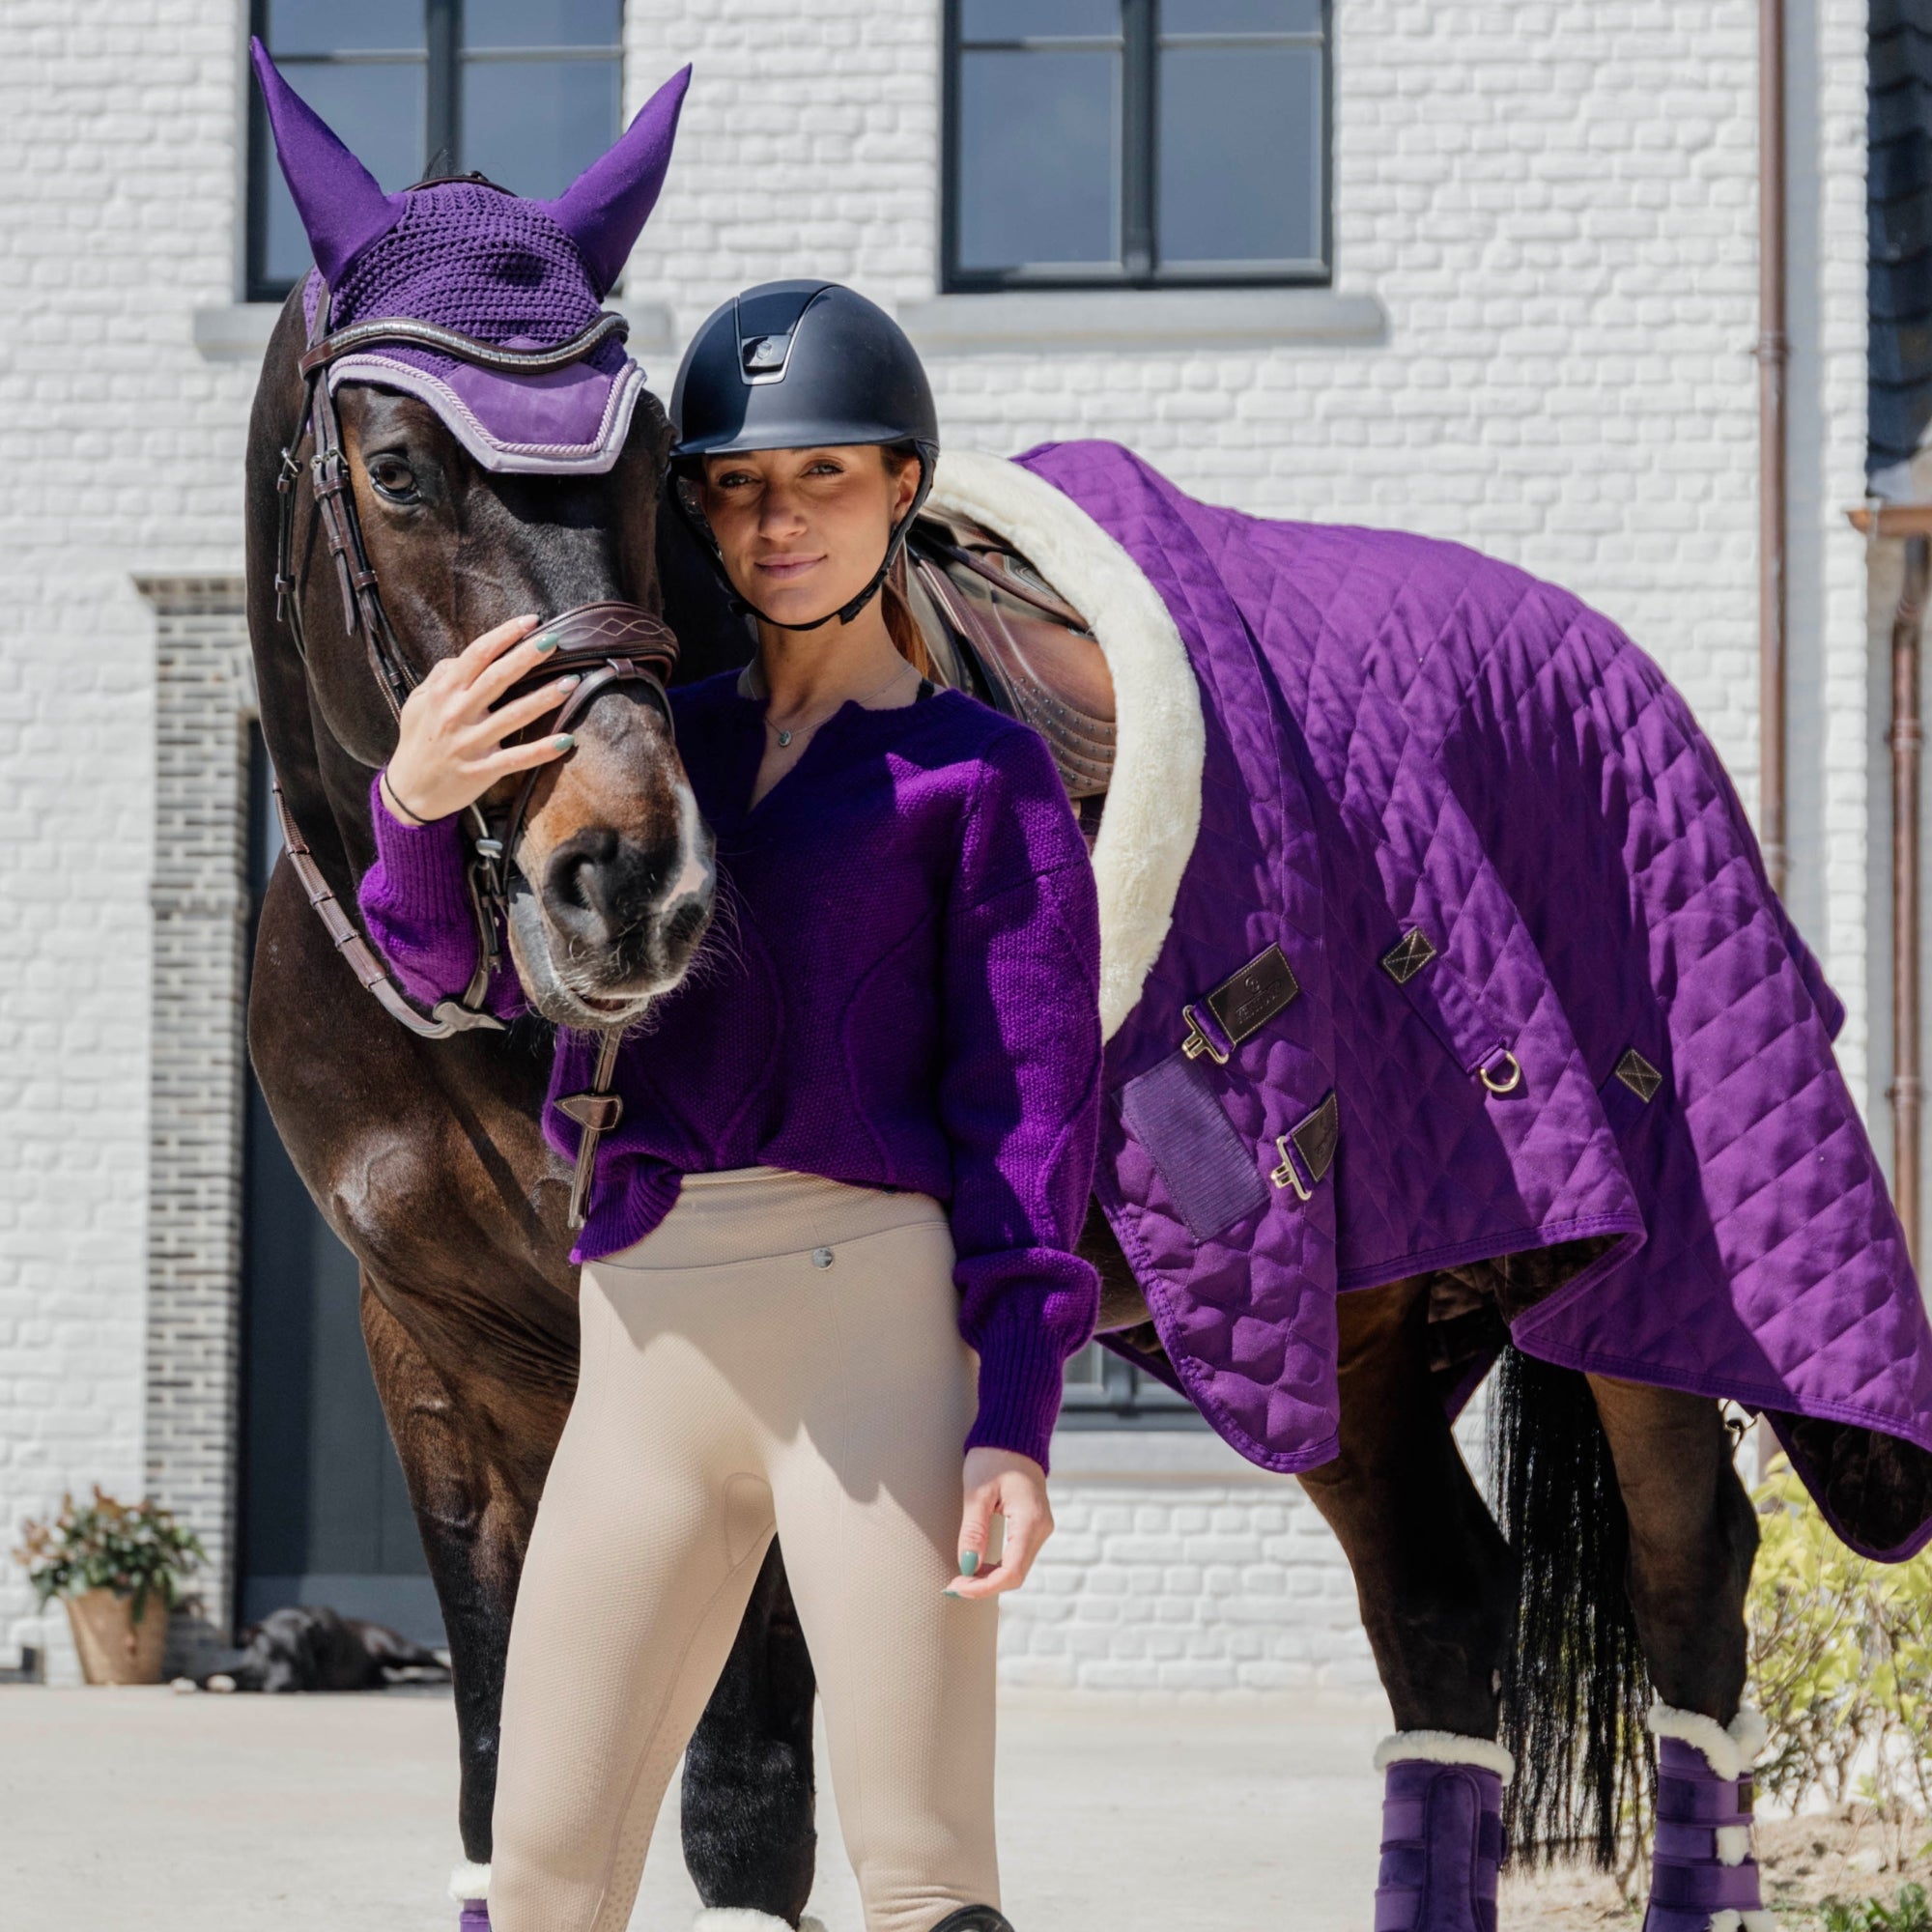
{"x": 1022, "y": 1376}
{"x": 422, "y": 865}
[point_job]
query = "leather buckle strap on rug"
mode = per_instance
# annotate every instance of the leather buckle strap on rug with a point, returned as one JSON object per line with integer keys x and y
{"x": 1242, "y": 1004}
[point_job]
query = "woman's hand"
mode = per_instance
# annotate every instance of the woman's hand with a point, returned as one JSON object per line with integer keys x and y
{"x": 1001, "y": 1482}
{"x": 451, "y": 750}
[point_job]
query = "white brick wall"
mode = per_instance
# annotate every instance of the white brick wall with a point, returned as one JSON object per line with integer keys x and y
{"x": 1554, "y": 203}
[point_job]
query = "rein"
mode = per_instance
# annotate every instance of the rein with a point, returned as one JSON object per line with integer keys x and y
{"x": 606, "y": 643}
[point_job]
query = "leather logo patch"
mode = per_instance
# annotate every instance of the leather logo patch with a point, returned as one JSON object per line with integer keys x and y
{"x": 1639, "y": 1076}
{"x": 1408, "y": 956}
{"x": 1254, "y": 995}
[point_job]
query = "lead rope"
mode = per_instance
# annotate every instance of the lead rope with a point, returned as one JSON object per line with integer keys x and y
{"x": 596, "y": 1110}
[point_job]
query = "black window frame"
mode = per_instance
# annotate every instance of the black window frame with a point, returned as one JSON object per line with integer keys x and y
{"x": 1140, "y": 266}
{"x": 1127, "y": 1397}
{"x": 443, "y": 57}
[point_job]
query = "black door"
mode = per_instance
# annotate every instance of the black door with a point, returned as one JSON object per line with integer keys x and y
{"x": 325, "y": 1516}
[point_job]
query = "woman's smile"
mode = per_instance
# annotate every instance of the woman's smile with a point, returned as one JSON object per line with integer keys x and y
{"x": 788, "y": 568}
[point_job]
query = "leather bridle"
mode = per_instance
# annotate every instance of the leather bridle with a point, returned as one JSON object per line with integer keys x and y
{"x": 603, "y": 644}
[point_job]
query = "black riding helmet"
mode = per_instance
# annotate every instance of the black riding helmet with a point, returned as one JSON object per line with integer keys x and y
{"x": 800, "y": 366}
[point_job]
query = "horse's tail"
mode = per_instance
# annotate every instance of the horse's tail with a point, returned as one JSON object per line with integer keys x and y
{"x": 1575, "y": 1687}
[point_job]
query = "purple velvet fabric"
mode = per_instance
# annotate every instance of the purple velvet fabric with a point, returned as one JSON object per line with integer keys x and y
{"x": 1689, "y": 1880}
{"x": 476, "y": 1916}
{"x": 522, "y": 275}
{"x": 1442, "y": 1848}
{"x": 1403, "y": 734}
{"x": 902, "y": 993}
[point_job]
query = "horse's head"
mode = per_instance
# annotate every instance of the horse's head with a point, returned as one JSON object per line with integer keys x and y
{"x": 479, "y": 485}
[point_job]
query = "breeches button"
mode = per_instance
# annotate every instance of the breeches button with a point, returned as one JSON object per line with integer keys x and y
{"x": 821, "y": 1258}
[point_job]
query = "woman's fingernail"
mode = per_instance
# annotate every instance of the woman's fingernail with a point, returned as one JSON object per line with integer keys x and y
{"x": 953, "y": 1594}
{"x": 548, "y": 644}
{"x": 969, "y": 1562}
{"x": 569, "y": 683}
{"x": 563, "y": 741}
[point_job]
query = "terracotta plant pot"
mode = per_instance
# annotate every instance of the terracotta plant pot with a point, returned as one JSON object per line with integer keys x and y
{"x": 114, "y": 1649}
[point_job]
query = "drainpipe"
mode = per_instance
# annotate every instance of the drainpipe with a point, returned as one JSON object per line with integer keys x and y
{"x": 1774, "y": 354}
{"x": 1906, "y": 1091}
{"x": 1912, "y": 522}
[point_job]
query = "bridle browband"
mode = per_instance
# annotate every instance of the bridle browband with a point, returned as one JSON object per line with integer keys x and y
{"x": 605, "y": 644}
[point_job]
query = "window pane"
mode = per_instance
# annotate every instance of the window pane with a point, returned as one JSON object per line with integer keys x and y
{"x": 1239, "y": 17}
{"x": 1018, "y": 20}
{"x": 329, "y": 26}
{"x": 542, "y": 23}
{"x": 535, "y": 126}
{"x": 378, "y": 110}
{"x": 1240, "y": 155}
{"x": 1040, "y": 143}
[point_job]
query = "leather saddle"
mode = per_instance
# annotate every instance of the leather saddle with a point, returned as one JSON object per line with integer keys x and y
{"x": 997, "y": 629}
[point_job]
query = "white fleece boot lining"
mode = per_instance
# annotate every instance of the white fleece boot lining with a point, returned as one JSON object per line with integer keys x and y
{"x": 1444, "y": 1748}
{"x": 1730, "y": 1753}
{"x": 731, "y": 1919}
{"x": 468, "y": 1882}
{"x": 1742, "y": 1922}
{"x": 1153, "y": 805}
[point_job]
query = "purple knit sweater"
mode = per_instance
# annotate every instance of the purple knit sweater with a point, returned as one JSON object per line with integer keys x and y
{"x": 900, "y": 993}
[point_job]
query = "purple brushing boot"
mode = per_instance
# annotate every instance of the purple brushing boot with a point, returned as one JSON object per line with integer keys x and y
{"x": 469, "y": 1888}
{"x": 1442, "y": 1833}
{"x": 1704, "y": 1878}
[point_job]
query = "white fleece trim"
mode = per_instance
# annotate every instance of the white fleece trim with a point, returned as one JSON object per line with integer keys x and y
{"x": 469, "y": 1881}
{"x": 1734, "y": 1844}
{"x": 1444, "y": 1748}
{"x": 1742, "y": 1922}
{"x": 1730, "y": 1753}
{"x": 1153, "y": 805}
{"x": 733, "y": 1919}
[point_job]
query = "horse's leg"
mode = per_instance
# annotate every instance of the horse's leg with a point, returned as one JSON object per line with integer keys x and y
{"x": 1436, "y": 1585}
{"x": 1434, "y": 1576}
{"x": 1693, "y": 1537}
{"x": 749, "y": 1841}
{"x": 473, "y": 1514}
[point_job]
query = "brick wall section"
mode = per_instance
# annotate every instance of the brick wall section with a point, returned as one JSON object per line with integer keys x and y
{"x": 205, "y": 693}
{"x": 1554, "y": 203}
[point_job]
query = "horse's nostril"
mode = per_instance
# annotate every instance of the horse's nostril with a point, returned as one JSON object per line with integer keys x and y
{"x": 599, "y": 886}
{"x": 683, "y": 926}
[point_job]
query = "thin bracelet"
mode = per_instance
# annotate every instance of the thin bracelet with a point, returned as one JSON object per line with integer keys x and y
{"x": 402, "y": 810}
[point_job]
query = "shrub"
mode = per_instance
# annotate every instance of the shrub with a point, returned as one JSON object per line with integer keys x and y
{"x": 135, "y": 1551}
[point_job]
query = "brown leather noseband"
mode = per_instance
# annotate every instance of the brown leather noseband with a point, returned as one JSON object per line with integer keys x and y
{"x": 605, "y": 644}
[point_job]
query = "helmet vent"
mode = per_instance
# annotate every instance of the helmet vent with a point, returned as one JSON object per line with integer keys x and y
{"x": 763, "y": 358}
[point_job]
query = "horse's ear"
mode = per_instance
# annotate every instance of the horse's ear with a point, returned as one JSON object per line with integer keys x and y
{"x": 340, "y": 205}
{"x": 604, "y": 211}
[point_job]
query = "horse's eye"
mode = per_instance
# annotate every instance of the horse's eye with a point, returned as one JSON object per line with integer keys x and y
{"x": 393, "y": 478}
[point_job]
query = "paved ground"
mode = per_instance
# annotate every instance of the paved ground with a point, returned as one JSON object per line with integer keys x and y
{"x": 336, "y": 1814}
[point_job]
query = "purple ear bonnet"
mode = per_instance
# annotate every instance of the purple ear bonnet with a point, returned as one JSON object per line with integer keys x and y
{"x": 522, "y": 274}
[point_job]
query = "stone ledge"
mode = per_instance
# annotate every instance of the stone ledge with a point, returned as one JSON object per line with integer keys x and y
{"x": 240, "y": 331}
{"x": 1016, "y": 319}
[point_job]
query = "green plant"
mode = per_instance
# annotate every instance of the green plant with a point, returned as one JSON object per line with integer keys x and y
{"x": 1910, "y": 1914}
{"x": 136, "y": 1550}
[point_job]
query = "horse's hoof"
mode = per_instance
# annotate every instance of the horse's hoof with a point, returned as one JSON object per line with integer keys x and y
{"x": 1703, "y": 1873}
{"x": 1442, "y": 1833}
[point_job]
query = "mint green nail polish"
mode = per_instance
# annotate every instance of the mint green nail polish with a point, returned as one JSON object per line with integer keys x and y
{"x": 545, "y": 644}
{"x": 563, "y": 741}
{"x": 969, "y": 1562}
{"x": 955, "y": 1594}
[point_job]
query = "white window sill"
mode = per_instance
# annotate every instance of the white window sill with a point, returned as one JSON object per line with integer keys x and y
{"x": 1151, "y": 1456}
{"x": 1009, "y": 319}
{"x": 240, "y": 331}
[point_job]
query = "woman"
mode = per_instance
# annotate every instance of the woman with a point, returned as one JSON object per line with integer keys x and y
{"x": 855, "y": 1150}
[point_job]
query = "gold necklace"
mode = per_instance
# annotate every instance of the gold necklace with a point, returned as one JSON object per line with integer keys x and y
{"x": 784, "y": 737}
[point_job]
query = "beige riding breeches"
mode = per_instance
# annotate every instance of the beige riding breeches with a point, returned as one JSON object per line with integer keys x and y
{"x": 781, "y": 1353}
